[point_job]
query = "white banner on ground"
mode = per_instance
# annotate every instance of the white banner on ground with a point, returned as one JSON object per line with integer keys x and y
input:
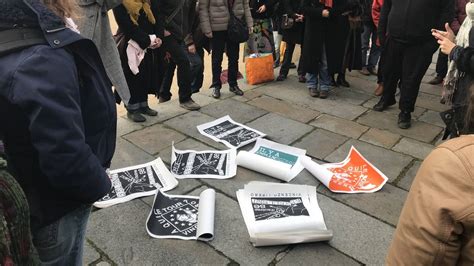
{"x": 137, "y": 181}
{"x": 182, "y": 217}
{"x": 273, "y": 159}
{"x": 353, "y": 175}
{"x": 278, "y": 214}
{"x": 229, "y": 132}
{"x": 203, "y": 164}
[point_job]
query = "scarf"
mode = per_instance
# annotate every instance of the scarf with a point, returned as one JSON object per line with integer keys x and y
{"x": 134, "y": 7}
{"x": 326, "y": 3}
{"x": 462, "y": 40}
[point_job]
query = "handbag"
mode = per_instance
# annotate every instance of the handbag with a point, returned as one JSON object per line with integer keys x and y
{"x": 259, "y": 69}
{"x": 237, "y": 29}
{"x": 287, "y": 22}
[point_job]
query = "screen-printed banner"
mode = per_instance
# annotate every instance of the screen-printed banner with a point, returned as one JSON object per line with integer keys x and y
{"x": 353, "y": 175}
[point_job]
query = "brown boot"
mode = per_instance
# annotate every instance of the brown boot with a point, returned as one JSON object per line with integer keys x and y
{"x": 379, "y": 90}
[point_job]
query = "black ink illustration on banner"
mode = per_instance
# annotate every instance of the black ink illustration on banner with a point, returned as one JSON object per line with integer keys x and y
{"x": 133, "y": 181}
{"x": 274, "y": 208}
{"x": 191, "y": 163}
{"x": 173, "y": 217}
{"x": 232, "y": 133}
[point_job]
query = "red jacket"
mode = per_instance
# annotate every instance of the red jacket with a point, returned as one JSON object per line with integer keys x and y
{"x": 377, "y": 7}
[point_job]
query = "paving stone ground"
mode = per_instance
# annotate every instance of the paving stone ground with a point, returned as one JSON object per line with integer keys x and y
{"x": 363, "y": 224}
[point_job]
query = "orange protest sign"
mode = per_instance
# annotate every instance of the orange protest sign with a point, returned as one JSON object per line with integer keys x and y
{"x": 355, "y": 175}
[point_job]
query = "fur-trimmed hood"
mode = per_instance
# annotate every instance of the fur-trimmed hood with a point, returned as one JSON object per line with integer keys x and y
{"x": 28, "y": 13}
{"x": 34, "y": 14}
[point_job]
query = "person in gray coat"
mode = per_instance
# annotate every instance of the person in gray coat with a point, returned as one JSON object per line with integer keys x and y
{"x": 93, "y": 23}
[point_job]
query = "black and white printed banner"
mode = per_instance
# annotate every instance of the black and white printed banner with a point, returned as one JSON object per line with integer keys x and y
{"x": 274, "y": 159}
{"x": 229, "y": 132}
{"x": 137, "y": 181}
{"x": 278, "y": 214}
{"x": 203, "y": 164}
{"x": 182, "y": 217}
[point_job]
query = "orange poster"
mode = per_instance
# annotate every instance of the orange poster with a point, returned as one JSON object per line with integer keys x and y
{"x": 353, "y": 175}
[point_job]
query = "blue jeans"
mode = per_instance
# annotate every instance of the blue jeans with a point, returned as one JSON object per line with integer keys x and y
{"x": 323, "y": 74}
{"x": 370, "y": 33}
{"x": 61, "y": 243}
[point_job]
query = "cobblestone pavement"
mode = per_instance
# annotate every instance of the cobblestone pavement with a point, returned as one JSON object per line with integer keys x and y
{"x": 363, "y": 225}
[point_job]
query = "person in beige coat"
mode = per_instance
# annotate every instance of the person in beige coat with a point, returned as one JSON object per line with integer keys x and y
{"x": 214, "y": 17}
{"x": 93, "y": 23}
{"x": 436, "y": 226}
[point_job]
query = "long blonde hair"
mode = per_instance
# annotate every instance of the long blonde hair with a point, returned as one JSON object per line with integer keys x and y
{"x": 63, "y": 8}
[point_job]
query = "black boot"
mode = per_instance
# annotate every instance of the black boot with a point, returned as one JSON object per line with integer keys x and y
{"x": 341, "y": 80}
{"x": 148, "y": 111}
{"x": 235, "y": 89}
{"x": 135, "y": 116}
{"x": 383, "y": 104}
{"x": 404, "y": 120}
{"x": 216, "y": 92}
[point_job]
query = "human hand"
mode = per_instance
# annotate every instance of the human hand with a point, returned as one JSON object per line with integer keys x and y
{"x": 156, "y": 44}
{"x": 299, "y": 18}
{"x": 262, "y": 9}
{"x": 192, "y": 49}
{"x": 208, "y": 35}
{"x": 449, "y": 34}
{"x": 325, "y": 13}
{"x": 445, "y": 45}
{"x": 167, "y": 33}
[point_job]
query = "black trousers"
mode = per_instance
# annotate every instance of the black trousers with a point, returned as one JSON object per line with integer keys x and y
{"x": 442, "y": 65}
{"x": 407, "y": 62}
{"x": 197, "y": 73}
{"x": 381, "y": 67}
{"x": 287, "y": 57}
{"x": 220, "y": 44}
{"x": 179, "y": 57}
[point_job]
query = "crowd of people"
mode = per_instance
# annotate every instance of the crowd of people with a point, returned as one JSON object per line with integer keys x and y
{"x": 59, "y": 60}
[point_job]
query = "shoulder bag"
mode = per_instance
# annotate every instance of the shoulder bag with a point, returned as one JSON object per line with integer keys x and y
{"x": 237, "y": 29}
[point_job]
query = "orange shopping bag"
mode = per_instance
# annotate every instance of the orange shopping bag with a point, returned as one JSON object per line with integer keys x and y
{"x": 259, "y": 69}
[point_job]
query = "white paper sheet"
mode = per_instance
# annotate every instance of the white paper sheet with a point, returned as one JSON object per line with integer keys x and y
{"x": 182, "y": 217}
{"x": 277, "y": 160}
{"x": 229, "y": 132}
{"x": 277, "y": 214}
{"x": 137, "y": 181}
{"x": 203, "y": 164}
{"x": 353, "y": 175}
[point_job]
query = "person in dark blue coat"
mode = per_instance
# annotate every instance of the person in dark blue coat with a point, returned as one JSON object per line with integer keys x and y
{"x": 57, "y": 121}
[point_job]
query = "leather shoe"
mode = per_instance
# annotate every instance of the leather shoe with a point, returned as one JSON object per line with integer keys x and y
{"x": 281, "y": 78}
{"x": 236, "y": 90}
{"x": 292, "y": 66}
{"x": 135, "y": 116}
{"x": 323, "y": 94}
{"x": 190, "y": 105}
{"x": 342, "y": 81}
{"x": 216, "y": 92}
{"x": 364, "y": 71}
{"x": 148, "y": 111}
{"x": 314, "y": 92}
{"x": 404, "y": 120}
{"x": 382, "y": 104}
{"x": 436, "y": 80}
